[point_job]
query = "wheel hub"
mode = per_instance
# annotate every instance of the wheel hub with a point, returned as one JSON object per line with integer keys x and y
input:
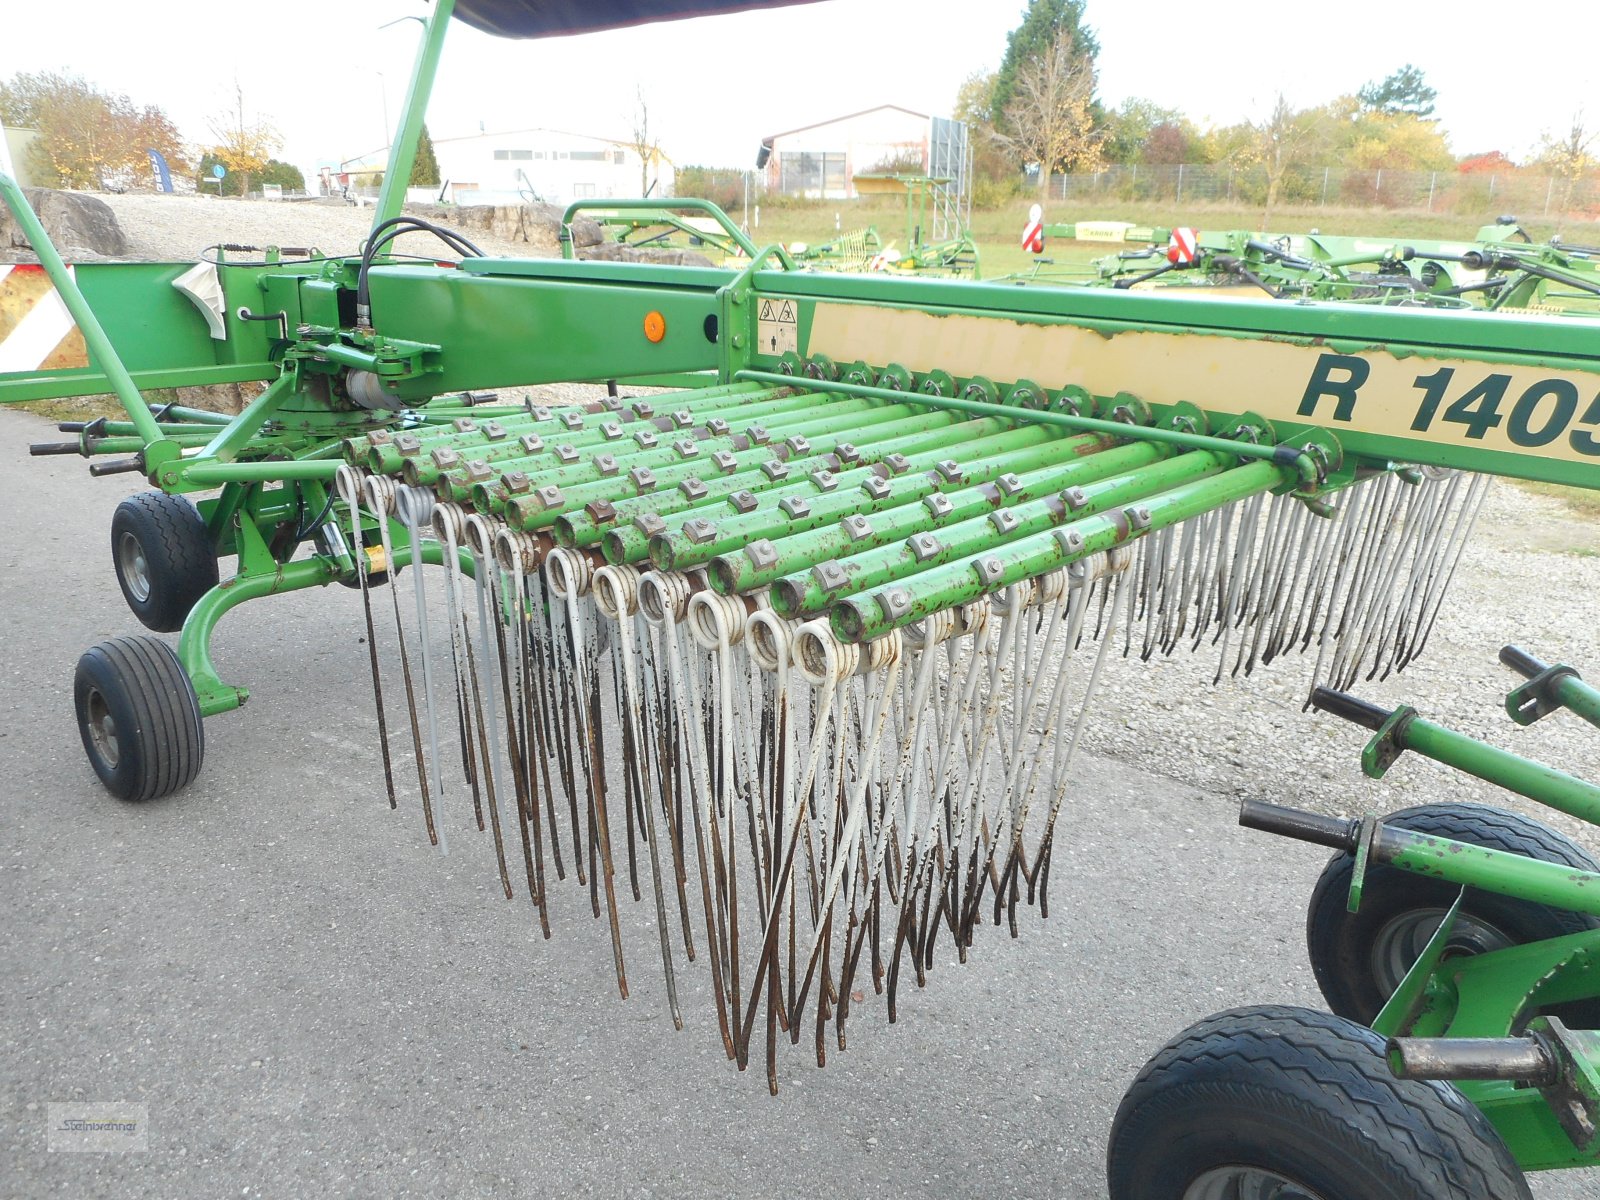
{"x": 102, "y": 729}
{"x": 1246, "y": 1183}
{"x": 1402, "y": 940}
{"x": 131, "y": 563}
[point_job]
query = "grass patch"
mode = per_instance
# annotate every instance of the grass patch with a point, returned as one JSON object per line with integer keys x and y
{"x": 1582, "y": 501}
{"x": 75, "y": 408}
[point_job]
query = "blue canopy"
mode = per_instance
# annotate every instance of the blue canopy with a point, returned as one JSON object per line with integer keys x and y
{"x": 552, "y": 18}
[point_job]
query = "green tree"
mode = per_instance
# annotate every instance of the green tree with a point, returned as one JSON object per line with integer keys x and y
{"x": 285, "y": 175}
{"x": 1043, "y": 23}
{"x": 1404, "y": 92}
{"x": 1396, "y": 142}
{"x": 994, "y": 171}
{"x": 425, "y": 169}
{"x": 975, "y": 98}
{"x": 1128, "y": 129}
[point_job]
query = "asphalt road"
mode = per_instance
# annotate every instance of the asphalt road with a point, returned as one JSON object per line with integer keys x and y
{"x": 311, "y": 1002}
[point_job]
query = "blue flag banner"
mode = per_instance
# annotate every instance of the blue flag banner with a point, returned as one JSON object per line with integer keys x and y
{"x": 158, "y": 164}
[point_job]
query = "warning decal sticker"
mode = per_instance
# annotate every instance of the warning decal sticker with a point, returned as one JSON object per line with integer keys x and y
{"x": 777, "y": 326}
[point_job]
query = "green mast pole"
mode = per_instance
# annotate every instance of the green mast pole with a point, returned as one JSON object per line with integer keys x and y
{"x": 404, "y": 151}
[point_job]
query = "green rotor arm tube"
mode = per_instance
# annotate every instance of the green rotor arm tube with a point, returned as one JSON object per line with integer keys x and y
{"x": 916, "y": 436}
{"x": 1117, "y": 476}
{"x": 690, "y": 544}
{"x": 865, "y": 617}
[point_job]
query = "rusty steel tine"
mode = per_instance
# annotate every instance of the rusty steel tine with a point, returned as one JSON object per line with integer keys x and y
{"x": 1479, "y": 489}
{"x": 631, "y": 703}
{"x": 350, "y": 487}
{"x": 405, "y": 672}
{"x": 672, "y": 805}
{"x": 530, "y": 735}
{"x": 905, "y": 922}
{"x": 562, "y": 735}
{"x": 405, "y": 508}
{"x": 481, "y": 751}
{"x": 773, "y": 1004}
{"x": 877, "y": 933}
{"x": 543, "y": 730}
{"x": 1011, "y": 907}
{"x": 460, "y": 639}
{"x": 469, "y": 764}
{"x": 847, "y": 970}
{"x": 1041, "y": 870}
{"x": 630, "y": 783}
{"x": 516, "y": 701}
{"x": 589, "y": 713}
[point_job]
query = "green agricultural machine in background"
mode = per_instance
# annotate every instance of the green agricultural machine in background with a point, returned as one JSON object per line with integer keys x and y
{"x": 1501, "y": 269}
{"x": 810, "y": 636}
{"x": 695, "y": 225}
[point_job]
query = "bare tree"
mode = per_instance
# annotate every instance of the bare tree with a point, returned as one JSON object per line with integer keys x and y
{"x": 1050, "y": 119}
{"x": 1280, "y": 143}
{"x": 1569, "y": 158}
{"x": 647, "y": 147}
{"x": 243, "y": 146}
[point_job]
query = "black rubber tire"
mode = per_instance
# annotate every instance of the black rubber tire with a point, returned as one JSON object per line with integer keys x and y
{"x": 1307, "y": 1097}
{"x": 156, "y": 740}
{"x": 166, "y": 537}
{"x": 1349, "y": 951}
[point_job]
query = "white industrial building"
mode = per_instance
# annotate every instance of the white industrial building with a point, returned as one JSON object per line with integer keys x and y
{"x": 822, "y": 160}
{"x": 552, "y": 165}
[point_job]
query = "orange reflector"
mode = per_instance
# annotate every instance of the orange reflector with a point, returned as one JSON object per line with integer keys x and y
{"x": 655, "y": 326}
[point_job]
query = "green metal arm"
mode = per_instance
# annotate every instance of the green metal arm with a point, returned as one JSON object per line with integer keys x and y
{"x": 1402, "y": 730}
{"x": 637, "y": 204}
{"x": 194, "y": 644}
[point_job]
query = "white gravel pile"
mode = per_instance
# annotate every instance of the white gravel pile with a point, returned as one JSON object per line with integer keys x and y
{"x": 176, "y": 228}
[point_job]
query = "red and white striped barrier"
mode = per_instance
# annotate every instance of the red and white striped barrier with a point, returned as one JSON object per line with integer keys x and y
{"x": 1033, "y": 234}
{"x": 1183, "y": 247}
{"x": 36, "y": 330}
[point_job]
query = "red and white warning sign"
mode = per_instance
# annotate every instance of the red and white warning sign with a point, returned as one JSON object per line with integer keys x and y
{"x": 36, "y": 330}
{"x": 1033, "y": 234}
{"x": 1183, "y": 246}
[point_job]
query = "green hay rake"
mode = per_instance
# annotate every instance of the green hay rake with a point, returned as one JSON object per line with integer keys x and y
{"x": 800, "y": 651}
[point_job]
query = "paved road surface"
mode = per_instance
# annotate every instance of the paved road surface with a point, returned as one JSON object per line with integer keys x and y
{"x": 312, "y": 1003}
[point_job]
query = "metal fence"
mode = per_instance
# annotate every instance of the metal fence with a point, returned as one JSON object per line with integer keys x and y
{"x": 1525, "y": 194}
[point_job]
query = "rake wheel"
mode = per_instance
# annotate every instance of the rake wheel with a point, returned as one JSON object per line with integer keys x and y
{"x": 139, "y": 718}
{"x": 1281, "y": 1103}
{"x": 164, "y": 558}
{"x": 1360, "y": 958}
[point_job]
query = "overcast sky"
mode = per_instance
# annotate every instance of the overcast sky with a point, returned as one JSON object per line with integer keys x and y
{"x": 324, "y": 73}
